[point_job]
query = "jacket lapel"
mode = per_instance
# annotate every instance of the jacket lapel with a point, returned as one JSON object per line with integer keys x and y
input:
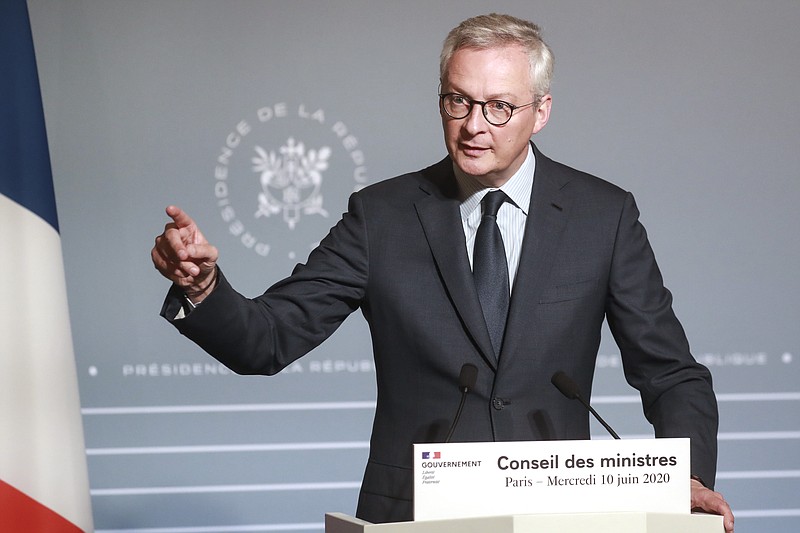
{"x": 439, "y": 214}
{"x": 547, "y": 218}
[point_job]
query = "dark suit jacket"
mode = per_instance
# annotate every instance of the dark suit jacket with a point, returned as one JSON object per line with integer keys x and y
{"x": 399, "y": 254}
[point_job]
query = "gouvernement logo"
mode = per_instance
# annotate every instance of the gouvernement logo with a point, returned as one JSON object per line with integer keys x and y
{"x": 281, "y": 173}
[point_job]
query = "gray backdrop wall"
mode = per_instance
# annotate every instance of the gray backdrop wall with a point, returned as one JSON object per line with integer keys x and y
{"x": 691, "y": 105}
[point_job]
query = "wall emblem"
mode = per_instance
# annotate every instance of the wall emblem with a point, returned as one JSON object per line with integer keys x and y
{"x": 291, "y": 179}
{"x": 282, "y": 177}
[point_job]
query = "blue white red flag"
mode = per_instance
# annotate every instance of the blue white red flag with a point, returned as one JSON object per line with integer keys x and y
{"x": 44, "y": 485}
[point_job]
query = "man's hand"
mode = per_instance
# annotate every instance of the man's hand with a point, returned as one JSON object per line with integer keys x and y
{"x": 183, "y": 255}
{"x": 708, "y": 501}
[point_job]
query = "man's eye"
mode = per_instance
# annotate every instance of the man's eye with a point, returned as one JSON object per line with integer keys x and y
{"x": 498, "y": 105}
{"x": 459, "y": 100}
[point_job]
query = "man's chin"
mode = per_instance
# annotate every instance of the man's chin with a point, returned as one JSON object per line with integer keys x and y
{"x": 473, "y": 166}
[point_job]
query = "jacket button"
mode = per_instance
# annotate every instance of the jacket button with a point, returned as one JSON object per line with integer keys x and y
{"x": 498, "y": 403}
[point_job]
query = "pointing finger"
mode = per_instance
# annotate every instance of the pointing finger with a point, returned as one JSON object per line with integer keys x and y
{"x": 181, "y": 218}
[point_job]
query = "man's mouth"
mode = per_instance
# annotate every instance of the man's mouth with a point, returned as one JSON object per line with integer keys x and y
{"x": 473, "y": 151}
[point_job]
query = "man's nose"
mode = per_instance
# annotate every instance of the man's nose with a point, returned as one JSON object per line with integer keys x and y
{"x": 475, "y": 122}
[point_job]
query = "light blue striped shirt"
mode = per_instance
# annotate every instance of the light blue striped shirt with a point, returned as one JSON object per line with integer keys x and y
{"x": 511, "y": 217}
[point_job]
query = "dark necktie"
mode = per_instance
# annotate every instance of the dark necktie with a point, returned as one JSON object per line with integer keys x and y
{"x": 490, "y": 269}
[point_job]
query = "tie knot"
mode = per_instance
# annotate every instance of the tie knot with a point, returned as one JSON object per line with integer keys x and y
{"x": 492, "y": 202}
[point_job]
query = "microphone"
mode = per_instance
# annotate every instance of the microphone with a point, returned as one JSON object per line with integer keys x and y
{"x": 466, "y": 381}
{"x": 570, "y": 389}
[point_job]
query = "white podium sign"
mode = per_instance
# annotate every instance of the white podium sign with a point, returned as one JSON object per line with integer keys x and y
{"x": 460, "y": 480}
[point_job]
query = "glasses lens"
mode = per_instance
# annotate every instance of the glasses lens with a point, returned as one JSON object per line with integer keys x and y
{"x": 456, "y": 105}
{"x": 497, "y": 112}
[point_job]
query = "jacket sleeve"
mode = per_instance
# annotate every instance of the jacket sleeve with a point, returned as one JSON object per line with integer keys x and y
{"x": 676, "y": 391}
{"x": 265, "y": 334}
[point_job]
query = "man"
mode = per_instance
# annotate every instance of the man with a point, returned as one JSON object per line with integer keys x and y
{"x": 571, "y": 253}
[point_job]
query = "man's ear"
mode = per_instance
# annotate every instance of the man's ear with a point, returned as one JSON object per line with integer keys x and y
{"x": 542, "y": 112}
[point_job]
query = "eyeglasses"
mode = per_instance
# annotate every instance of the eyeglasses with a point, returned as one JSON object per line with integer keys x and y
{"x": 496, "y": 112}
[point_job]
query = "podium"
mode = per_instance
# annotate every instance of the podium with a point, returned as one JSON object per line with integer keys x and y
{"x": 633, "y": 522}
{"x": 631, "y": 486}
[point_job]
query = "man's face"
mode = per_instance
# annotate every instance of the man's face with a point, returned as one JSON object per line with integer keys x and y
{"x": 492, "y": 154}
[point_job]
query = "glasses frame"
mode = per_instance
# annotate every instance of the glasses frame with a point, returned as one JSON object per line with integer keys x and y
{"x": 482, "y": 103}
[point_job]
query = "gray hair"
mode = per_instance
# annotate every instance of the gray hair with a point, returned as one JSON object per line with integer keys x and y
{"x": 495, "y": 30}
